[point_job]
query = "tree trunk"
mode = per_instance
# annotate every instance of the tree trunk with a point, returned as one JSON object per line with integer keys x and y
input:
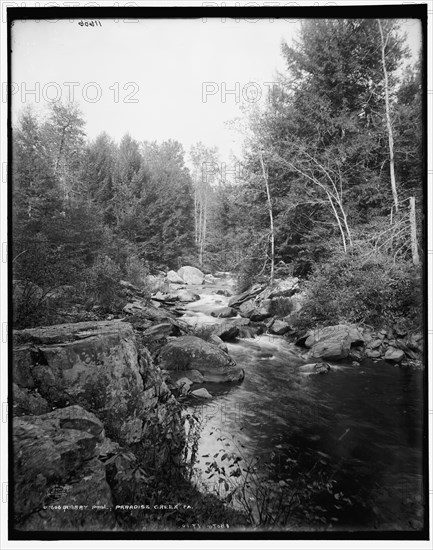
{"x": 196, "y": 214}
{"x": 413, "y": 237}
{"x": 203, "y": 233}
{"x": 388, "y": 120}
{"x": 271, "y": 218}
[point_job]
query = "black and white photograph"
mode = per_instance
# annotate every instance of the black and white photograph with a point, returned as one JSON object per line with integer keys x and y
{"x": 217, "y": 272}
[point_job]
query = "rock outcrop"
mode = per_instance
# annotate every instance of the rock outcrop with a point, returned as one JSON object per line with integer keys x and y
{"x": 59, "y": 453}
{"x": 106, "y": 392}
{"x": 188, "y": 353}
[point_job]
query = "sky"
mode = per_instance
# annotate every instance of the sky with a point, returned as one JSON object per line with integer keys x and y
{"x": 155, "y": 79}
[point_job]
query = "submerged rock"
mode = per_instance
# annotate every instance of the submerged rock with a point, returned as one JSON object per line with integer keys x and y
{"x": 202, "y": 393}
{"x": 315, "y": 368}
{"x": 223, "y": 292}
{"x": 192, "y": 353}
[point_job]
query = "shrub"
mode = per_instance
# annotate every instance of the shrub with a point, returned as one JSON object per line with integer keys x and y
{"x": 103, "y": 283}
{"x": 136, "y": 271}
{"x": 281, "y": 306}
{"x": 361, "y": 288}
{"x": 248, "y": 274}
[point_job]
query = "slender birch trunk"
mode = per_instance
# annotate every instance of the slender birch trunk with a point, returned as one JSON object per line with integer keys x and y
{"x": 271, "y": 218}
{"x": 388, "y": 119}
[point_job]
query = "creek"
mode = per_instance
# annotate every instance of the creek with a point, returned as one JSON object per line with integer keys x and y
{"x": 349, "y": 441}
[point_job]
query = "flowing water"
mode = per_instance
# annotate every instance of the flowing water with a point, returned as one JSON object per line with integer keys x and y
{"x": 349, "y": 441}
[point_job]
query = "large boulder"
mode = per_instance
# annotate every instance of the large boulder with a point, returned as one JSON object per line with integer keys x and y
{"x": 191, "y": 353}
{"x": 223, "y": 312}
{"x": 226, "y": 331}
{"x": 334, "y": 349}
{"x": 247, "y": 308}
{"x": 279, "y": 327}
{"x": 187, "y": 296}
{"x": 256, "y": 311}
{"x": 394, "y": 355}
{"x": 331, "y": 342}
{"x": 174, "y": 278}
{"x": 210, "y": 279}
{"x": 191, "y": 275}
{"x": 260, "y": 313}
{"x": 58, "y": 454}
{"x": 98, "y": 366}
{"x": 335, "y": 332}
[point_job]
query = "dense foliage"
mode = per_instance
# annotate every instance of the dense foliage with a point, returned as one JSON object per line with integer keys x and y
{"x": 86, "y": 213}
{"x": 325, "y": 142}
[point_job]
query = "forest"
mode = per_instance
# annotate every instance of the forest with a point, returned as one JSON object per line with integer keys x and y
{"x": 338, "y": 147}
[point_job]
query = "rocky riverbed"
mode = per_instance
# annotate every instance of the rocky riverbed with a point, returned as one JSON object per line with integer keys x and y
{"x": 88, "y": 397}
